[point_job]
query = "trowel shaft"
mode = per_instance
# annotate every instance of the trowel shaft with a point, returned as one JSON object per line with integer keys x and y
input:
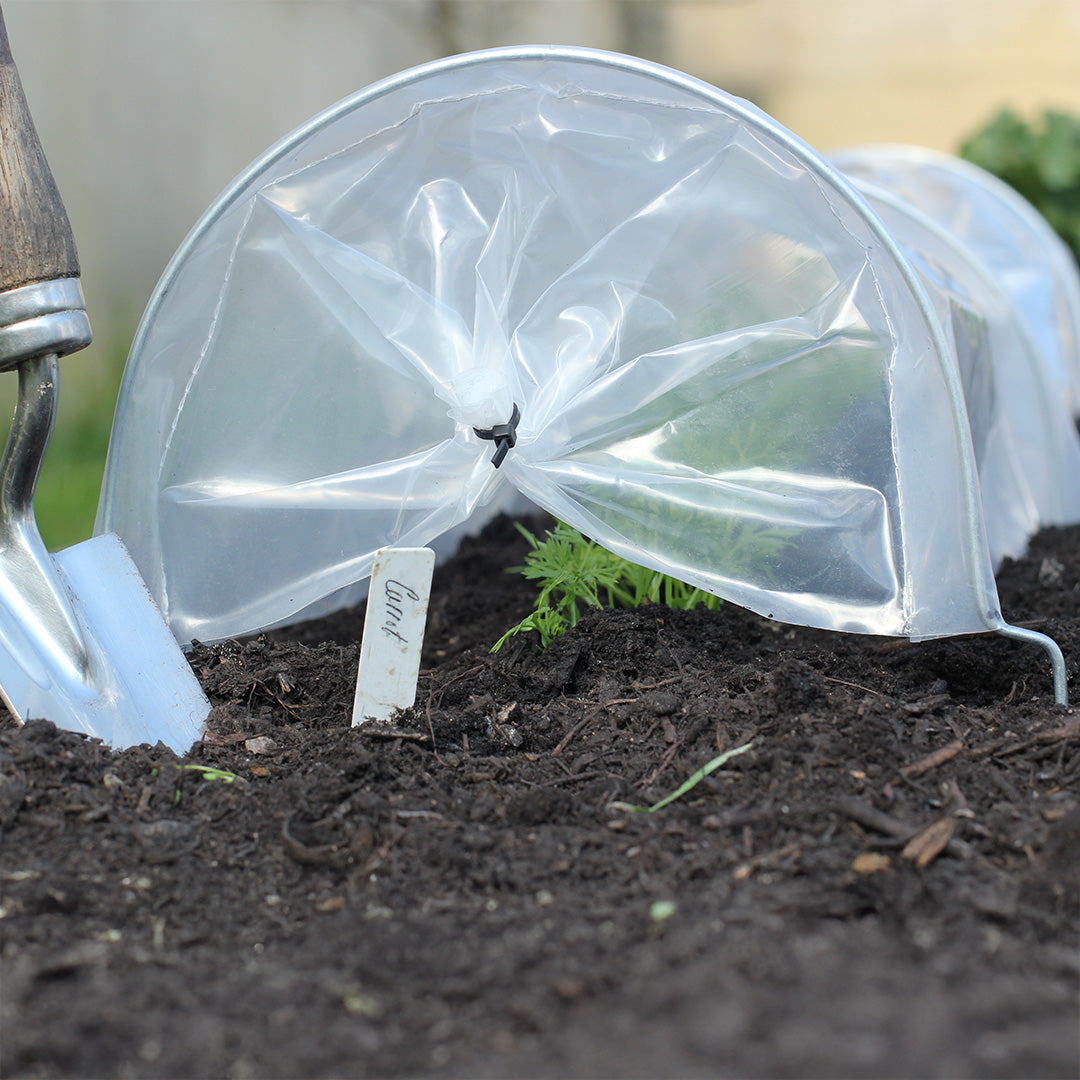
{"x": 42, "y": 316}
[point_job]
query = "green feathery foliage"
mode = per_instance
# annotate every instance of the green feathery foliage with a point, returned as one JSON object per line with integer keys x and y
{"x": 573, "y": 571}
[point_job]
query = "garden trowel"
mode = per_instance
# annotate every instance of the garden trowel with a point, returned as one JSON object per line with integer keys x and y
{"x": 81, "y": 642}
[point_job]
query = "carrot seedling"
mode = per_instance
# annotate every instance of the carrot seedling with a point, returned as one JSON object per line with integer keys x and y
{"x": 573, "y": 571}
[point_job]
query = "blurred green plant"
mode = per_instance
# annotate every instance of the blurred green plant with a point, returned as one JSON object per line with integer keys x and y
{"x": 573, "y": 571}
{"x": 65, "y": 502}
{"x": 67, "y": 494}
{"x": 1041, "y": 161}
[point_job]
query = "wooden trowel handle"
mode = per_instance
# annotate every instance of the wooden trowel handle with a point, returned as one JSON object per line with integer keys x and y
{"x": 36, "y": 243}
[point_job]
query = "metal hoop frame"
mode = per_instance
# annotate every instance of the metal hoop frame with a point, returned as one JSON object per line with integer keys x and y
{"x": 707, "y": 94}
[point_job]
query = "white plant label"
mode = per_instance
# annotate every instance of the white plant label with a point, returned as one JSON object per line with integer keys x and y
{"x": 393, "y": 632}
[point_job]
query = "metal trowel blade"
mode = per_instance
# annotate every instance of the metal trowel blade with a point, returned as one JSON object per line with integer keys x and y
{"x": 140, "y": 688}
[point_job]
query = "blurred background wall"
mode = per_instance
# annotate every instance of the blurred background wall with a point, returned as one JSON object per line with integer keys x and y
{"x": 147, "y": 108}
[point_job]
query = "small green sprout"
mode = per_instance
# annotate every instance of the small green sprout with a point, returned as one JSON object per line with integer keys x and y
{"x": 692, "y": 782}
{"x": 661, "y": 910}
{"x": 208, "y": 772}
{"x": 573, "y": 571}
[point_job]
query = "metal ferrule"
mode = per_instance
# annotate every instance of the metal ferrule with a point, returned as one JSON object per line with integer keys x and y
{"x": 42, "y": 319}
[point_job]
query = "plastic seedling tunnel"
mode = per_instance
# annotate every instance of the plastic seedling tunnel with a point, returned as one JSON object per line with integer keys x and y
{"x": 1027, "y": 449}
{"x": 1005, "y": 232}
{"x": 565, "y": 278}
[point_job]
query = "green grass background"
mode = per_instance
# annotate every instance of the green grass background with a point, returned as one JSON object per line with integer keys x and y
{"x": 67, "y": 492}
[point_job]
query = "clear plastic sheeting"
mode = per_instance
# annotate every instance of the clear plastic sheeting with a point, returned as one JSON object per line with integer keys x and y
{"x": 1026, "y": 446}
{"x": 1003, "y": 230}
{"x": 724, "y": 368}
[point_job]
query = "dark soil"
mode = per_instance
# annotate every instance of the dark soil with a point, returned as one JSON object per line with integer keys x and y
{"x": 887, "y": 884}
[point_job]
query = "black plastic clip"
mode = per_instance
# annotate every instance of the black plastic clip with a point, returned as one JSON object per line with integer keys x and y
{"x": 503, "y": 435}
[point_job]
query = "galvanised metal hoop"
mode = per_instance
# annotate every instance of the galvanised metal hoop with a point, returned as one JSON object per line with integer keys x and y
{"x": 709, "y": 95}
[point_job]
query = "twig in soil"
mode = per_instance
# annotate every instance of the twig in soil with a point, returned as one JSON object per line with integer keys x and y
{"x": 927, "y": 844}
{"x": 932, "y": 760}
{"x": 854, "y": 685}
{"x": 564, "y": 742}
{"x": 925, "y": 705}
{"x": 213, "y": 739}
{"x": 665, "y": 761}
{"x": 428, "y": 815}
{"x": 997, "y": 748}
{"x": 878, "y": 820}
{"x": 577, "y": 778}
{"x": 595, "y": 705}
{"x": 431, "y": 728}
{"x": 765, "y": 859}
{"x": 987, "y": 749}
{"x": 468, "y": 673}
{"x": 322, "y": 855}
{"x": 1003, "y": 785}
{"x": 670, "y": 652}
{"x": 294, "y": 710}
{"x": 656, "y": 685}
{"x": 888, "y": 825}
{"x": 382, "y": 731}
